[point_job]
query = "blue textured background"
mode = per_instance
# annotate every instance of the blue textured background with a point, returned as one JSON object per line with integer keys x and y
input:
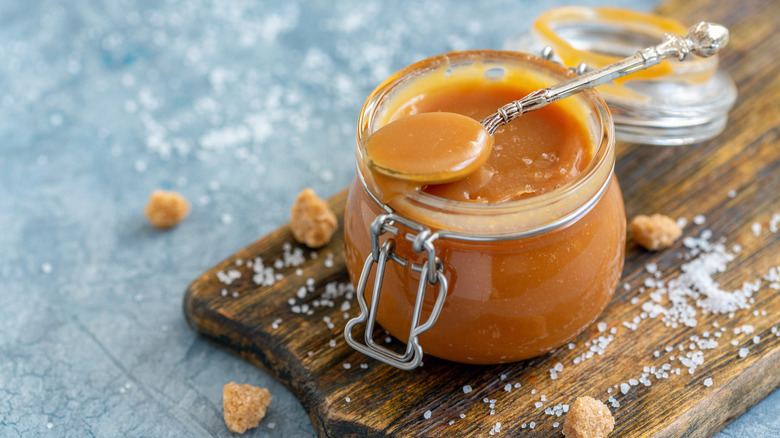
{"x": 236, "y": 104}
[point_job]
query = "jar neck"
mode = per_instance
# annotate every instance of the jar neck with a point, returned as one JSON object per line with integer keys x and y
{"x": 507, "y": 220}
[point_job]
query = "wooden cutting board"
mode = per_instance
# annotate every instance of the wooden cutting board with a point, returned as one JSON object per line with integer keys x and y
{"x": 306, "y": 350}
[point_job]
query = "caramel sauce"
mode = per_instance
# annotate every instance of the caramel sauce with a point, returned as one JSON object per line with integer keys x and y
{"x": 537, "y": 153}
{"x": 430, "y": 147}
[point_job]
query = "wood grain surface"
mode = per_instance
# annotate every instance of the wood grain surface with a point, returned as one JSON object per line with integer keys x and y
{"x": 259, "y": 325}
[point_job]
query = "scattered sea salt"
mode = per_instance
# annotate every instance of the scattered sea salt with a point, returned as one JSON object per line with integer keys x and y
{"x": 699, "y": 219}
{"x": 708, "y": 382}
{"x": 427, "y": 415}
{"x": 140, "y": 166}
{"x": 774, "y": 222}
{"x": 743, "y": 352}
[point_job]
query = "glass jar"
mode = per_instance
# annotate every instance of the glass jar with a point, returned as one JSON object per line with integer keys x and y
{"x": 482, "y": 283}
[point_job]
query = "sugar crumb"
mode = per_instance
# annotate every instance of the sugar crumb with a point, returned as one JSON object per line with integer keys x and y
{"x": 588, "y": 418}
{"x": 311, "y": 219}
{"x": 244, "y": 406}
{"x": 166, "y": 209}
{"x": 654, "y": 232}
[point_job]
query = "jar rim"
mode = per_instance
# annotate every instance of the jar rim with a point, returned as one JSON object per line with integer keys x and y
{"x": 506, "y": 220}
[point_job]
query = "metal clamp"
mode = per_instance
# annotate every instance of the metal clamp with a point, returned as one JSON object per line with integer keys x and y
{"x": 431, "y": 272}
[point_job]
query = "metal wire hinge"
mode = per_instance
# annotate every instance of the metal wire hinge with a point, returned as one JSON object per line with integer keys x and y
{"x": 431, "y": 272}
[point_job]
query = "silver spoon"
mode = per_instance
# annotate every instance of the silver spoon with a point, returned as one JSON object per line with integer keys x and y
{"x": 704, "y": 39}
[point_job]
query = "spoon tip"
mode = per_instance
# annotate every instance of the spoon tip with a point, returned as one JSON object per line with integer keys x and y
{"x": 708, "y": 38}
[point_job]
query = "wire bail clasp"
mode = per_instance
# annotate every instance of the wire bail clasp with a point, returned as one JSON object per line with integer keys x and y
{"x": 431, "y": 272}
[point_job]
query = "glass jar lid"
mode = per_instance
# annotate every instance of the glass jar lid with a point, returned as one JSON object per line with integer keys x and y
{"x": 674, "y": 103}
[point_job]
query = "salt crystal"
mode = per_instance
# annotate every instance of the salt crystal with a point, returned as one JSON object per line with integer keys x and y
{"x": 708, "y": 382}
{"x": 427, "y": 415}
{"x": 508, "y": 387}
{"x": 466, "y": 389}
{"x": 699, "y": 219}
{"x": 538, "y": 404}
{"x": 347, "y": 365}
{"x": 602, "y": 326}
{"x": 756, "y": 339}
{"x": 774, "y": 222}
{"x": 347, "y": 399}
{"x": 624, "y": 388}
{"x": 732, "y": 194}
{"x": 743, "y": 352}
{"x": 756, "y": 228}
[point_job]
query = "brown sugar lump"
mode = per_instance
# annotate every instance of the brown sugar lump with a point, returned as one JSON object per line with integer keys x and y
{"x": 244, "y": 406}
{"x": 654, "y": 232}
{"x": 588, "y": 418}
{"x": 166, "y": 209}
{"x": 312, "y": 221}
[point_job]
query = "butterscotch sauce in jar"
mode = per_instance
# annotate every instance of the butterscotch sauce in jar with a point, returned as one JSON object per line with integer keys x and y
{"x": 508, "y": 262}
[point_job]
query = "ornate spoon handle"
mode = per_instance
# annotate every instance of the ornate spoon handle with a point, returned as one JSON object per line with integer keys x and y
{"x": 703, "y": 39}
